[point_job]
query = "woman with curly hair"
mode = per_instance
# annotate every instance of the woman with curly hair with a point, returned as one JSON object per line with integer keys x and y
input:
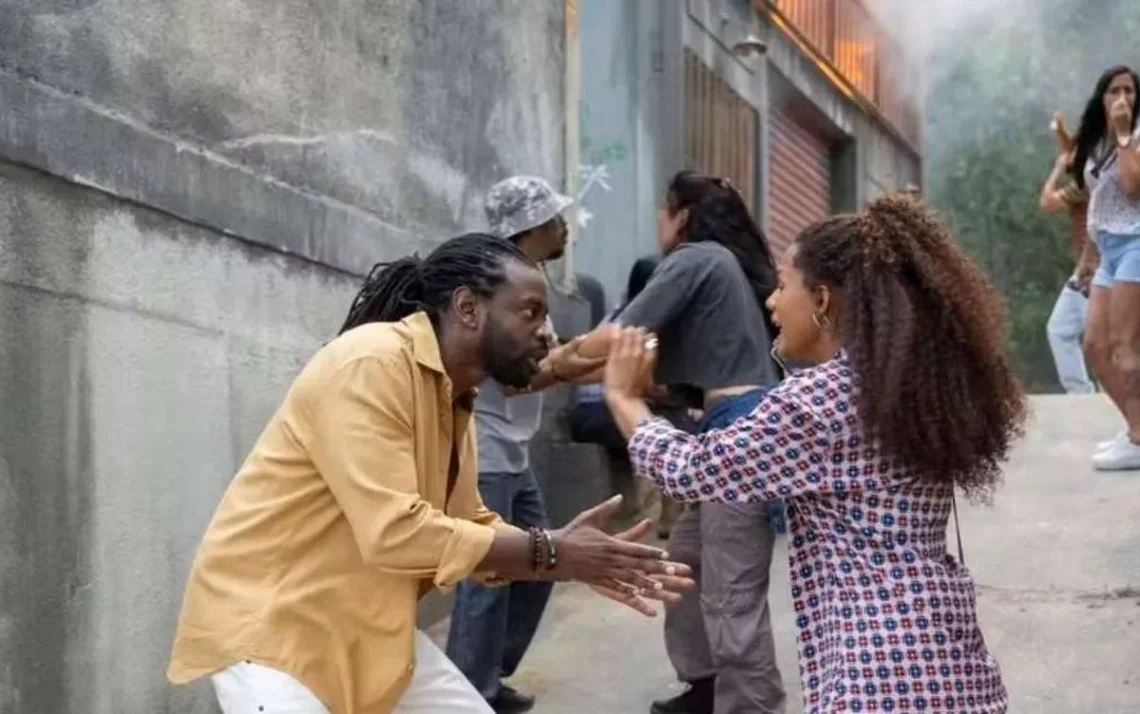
{"x": 911, "y": 396}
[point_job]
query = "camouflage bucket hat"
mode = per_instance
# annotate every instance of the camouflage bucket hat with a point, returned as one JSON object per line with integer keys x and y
{"x": 521, "y": 203}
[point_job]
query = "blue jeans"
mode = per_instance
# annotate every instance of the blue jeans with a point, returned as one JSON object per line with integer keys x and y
{"x": 1065, "y": 329}
{"x": 720, "y": 414}
{"x": 491, "y": 628}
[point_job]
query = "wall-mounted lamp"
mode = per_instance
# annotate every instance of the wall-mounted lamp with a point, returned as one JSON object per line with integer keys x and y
{"x": 750, "y": 46}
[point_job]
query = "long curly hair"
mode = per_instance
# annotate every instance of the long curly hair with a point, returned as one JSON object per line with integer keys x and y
{"x": 924, "y": 331}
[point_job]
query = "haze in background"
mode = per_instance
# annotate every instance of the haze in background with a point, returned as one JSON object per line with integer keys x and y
{"x": 993, "y": 72}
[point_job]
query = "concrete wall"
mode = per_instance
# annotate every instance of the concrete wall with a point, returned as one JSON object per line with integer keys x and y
{"x": 188, "y": 195}
{"x": 623, "y": 136}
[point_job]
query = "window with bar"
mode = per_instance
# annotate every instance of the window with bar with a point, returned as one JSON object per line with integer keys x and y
{"x": 847, "y": 36}
{"x": 720, "y": 129}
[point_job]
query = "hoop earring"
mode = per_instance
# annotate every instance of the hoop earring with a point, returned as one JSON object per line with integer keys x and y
{"x": 821, "y": 320}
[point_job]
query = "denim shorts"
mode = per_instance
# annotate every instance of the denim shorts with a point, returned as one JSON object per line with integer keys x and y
{"x": 1119, "y": 259}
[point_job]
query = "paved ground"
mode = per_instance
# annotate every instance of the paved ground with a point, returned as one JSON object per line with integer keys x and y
{"x": 1056, "y": 557}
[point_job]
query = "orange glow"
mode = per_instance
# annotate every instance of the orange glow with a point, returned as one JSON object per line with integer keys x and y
{"x": 856, "y": 60}
{"x": 842, "y": 40}
{"x": 841, "y": 83}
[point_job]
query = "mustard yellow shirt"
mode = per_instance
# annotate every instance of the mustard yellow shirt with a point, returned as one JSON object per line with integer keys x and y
{"x": 338, "y": 522}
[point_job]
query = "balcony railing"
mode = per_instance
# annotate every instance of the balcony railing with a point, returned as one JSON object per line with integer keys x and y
{"x": 846, "y": 36}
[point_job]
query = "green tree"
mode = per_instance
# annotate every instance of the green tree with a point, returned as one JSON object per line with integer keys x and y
{"x": 993, "y": 87}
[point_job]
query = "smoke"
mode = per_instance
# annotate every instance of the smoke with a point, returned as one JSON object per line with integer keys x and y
{"x": 1019, "y": 60}
{"x": 939, "y": 35}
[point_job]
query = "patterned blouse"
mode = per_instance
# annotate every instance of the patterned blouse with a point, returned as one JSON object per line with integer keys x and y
{"x": 887, "y": 618}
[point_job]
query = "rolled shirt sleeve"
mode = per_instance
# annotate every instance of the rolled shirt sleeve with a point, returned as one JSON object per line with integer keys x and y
{"x": 486, "y": 516}
{"x": 363, "y": 445}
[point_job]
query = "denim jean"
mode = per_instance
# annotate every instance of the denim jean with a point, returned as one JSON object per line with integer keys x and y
{"x": 491, "y": 628}
{"x": 1065, "y": 329}
{"x": 719, "y": 415}
{"x": 723, "y": 628}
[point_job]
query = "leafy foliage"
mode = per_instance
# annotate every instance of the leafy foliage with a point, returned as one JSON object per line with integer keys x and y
{"x": 992, "y": 89}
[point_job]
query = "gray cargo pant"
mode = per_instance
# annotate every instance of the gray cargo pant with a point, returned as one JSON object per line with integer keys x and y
{"x": 723, "y": 628}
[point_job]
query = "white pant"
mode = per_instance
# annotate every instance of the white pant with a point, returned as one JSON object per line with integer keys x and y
{"x": 437, "y": 687}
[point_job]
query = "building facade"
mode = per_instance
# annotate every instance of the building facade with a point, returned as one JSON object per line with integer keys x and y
{"x": 808, "y": 106}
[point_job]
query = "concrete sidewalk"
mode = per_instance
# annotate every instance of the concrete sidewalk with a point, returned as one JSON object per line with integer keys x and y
{"x": 1056, "y": 557}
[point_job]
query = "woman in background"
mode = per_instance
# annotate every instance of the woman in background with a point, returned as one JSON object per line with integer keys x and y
{"x": 1107, "y": 161}
{"x": 1066, "y": 326}
{"x": 913, "y": 396}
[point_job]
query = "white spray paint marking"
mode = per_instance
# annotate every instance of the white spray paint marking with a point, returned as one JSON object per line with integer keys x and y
{"x": 591, "y": 175}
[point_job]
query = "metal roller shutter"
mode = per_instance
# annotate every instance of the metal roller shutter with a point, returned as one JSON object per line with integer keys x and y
{"x": 799, "y": 182}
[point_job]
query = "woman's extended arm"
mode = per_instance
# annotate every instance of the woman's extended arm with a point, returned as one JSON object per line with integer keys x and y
{"x": 781, "y": 449}
{"x": 1053, "y": 197}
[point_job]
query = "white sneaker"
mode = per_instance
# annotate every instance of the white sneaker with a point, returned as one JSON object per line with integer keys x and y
{"x": 1120, "y": 438}
{"x": 1121, "y": 456}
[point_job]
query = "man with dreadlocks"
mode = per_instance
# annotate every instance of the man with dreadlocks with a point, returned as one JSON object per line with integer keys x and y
{"x": 491, "y": 628}
{"x": 360, "y": 496}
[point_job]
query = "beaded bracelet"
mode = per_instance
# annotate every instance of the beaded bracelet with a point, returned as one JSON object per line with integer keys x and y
{"x": 544, "y": 556}
{"x": 535, "y": 556}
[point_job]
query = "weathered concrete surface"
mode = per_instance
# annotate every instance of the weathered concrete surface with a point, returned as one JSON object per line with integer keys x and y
{"x": 349, "y": 131}
{"x": 591, "y": 655}
{"x": 1057, "y": 561}
{"x": 1056, "y": 557}
{"x": 188, "y": 192}
{"x": 141, "y": 357}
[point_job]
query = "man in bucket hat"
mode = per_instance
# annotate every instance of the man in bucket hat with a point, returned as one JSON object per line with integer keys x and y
{"x": 527, "y": 211}
{"x": 491, "y": 628}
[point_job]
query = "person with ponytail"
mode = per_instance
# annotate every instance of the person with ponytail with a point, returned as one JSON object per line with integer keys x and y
{"x": 705, "y": 301}
{"x": 360, "y": 496}
{"x": 912, "y": 396}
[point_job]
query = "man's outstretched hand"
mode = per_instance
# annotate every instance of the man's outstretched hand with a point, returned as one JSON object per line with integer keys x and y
{"x": 619, "y": 566}
{"x": 638, "y": 599}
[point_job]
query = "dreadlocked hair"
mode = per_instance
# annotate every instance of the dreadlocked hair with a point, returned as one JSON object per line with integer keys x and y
{"x": 392, "y": 291}
{"x": 924, "y": 331}
{"x": 717, "y": 213}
